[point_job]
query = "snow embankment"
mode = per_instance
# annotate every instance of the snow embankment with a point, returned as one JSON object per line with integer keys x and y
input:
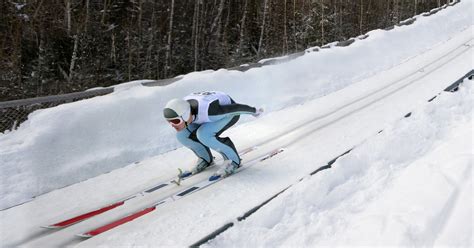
{"x": 411, "y": 185}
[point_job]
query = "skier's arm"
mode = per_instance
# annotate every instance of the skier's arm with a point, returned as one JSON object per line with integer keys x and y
{"x": 234, "y": 109}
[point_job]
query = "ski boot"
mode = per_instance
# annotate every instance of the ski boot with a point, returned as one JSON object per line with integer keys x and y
{"x": 200, "y": 166}
{"x": 229, "y": 167}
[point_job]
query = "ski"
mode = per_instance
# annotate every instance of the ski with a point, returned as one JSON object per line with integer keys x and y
{"x": 116, "y": 223}
{"x": 81, "y": 217}
{"x": 174, "y": 197}
{"x": 76, "y": 219}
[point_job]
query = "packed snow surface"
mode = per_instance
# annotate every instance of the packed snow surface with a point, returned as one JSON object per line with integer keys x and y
{"x": 411, "y": 185}
{"x": 408, "y": 185}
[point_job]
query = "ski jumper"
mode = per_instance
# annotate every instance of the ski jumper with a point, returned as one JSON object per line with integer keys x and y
{"x": 214, "y": 112}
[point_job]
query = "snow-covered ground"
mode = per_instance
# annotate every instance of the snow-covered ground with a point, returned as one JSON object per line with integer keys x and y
{"x": 70, "y": 143}
{"x": 409, "y": 185}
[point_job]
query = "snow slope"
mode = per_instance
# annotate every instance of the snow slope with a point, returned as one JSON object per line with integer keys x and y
{"x": 411, "y": 185}
{"x": 70, "y": 143}
{"x": 341, "y": 108}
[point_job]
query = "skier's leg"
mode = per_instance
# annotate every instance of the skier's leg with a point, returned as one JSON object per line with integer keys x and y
{"x": 226, "y": 140}
{"x": 188, "y": 138}
{"x": 208, "y": 134}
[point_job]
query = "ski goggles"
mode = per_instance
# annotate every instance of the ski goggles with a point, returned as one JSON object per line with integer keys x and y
{"x": 175, "y": 121}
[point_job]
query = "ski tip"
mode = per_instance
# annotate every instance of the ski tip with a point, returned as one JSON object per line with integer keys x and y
{"x": 84, "y": 235}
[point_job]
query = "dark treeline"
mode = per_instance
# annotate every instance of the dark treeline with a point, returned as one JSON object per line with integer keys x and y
{"x": 61, "y": 46}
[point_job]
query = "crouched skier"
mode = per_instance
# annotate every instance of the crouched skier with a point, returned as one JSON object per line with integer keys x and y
{"x": 199, "y": 119}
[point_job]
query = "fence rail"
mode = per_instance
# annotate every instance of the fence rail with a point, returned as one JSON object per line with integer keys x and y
{"x": 13, "y": 113}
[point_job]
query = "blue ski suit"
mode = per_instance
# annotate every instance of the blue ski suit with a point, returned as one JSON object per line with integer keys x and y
{"x": 213, "y": 112}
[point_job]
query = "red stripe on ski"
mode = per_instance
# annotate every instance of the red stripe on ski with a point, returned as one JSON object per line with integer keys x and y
{"x": 82, "y": 217}
{"x": 117, "y": 223}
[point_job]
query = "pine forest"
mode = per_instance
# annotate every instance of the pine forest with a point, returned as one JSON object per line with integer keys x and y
{"x": 50, "y": 47}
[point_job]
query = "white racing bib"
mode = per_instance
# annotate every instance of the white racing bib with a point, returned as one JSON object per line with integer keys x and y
{"x": 204, "y": 99}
